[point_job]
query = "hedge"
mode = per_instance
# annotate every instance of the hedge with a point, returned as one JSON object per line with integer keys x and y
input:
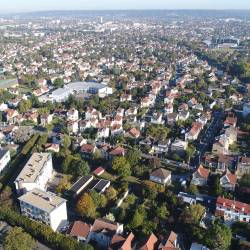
{"x": 41, "y": 232}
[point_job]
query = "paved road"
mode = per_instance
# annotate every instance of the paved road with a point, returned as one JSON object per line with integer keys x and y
{"x": 207, "y": 138}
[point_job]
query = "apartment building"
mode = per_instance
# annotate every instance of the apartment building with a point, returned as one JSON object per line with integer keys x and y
{"x": 45, "y": 207}
{"x": 35, "y": 174}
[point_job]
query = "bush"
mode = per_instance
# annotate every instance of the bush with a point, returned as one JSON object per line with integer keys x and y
{"x": 41, "y": 232}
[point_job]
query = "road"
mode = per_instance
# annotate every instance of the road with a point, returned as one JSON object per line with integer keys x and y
{"x": 207, "y": 138}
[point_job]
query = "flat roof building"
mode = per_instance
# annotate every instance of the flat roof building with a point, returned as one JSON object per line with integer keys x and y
{"x": 35, "y": 174}
{"x": 45, "y": 207}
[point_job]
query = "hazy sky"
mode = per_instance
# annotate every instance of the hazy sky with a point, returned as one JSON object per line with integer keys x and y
{"x": 30, "y": 5}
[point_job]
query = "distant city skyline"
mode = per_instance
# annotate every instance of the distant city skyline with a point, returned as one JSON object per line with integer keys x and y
{"x": 8, "y": 6}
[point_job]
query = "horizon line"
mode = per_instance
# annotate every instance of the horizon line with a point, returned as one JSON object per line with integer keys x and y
{"x": 139, "y": 9}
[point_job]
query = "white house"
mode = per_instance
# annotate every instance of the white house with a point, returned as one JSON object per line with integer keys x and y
{"x": 45, "y": 207}
{"x": 4, "y": 159}
{"x": 161, "y": 176}
{"x": 232, "y": 210}
{"x": 103, "y": 230}
{"x": 35, "y": 174}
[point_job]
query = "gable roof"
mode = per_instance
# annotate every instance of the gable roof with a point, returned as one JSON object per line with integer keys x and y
{"x": 203, "y": 172}
{"x": 79, "y": 229}
{"x": 150, "y": 243}
{"x": 102, "y": 223}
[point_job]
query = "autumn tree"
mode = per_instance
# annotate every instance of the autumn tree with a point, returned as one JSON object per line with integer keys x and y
{"x": 111, "y": 194}
{"x": 86, "y": 206}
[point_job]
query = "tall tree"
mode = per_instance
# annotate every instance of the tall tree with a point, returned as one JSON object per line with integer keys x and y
{"x": 17, "y": 239}
{"x": 86, "y": 206}
{"x": 121, "y": 166}
{"x": 219, "y": 237}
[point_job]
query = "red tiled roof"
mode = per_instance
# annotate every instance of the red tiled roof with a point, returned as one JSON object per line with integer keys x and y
{"x": 203, "y": 172}
{"x": 171, "y": 240}
{"x": 99, "y": 171}
{"x": 127, "y": 245}
{"x": 79, "y": 229}
{"x": 231, "y": 204}
{"x": 102, "y": 223}
{"x": 150, "y": 243}
{"x": 117, "y": 151}
{"x": 232, "y": 178}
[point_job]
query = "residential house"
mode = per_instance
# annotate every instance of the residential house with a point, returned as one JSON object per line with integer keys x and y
{"x": 103, "y": 230}
{"x": 46, "y": 119}
{"x": 161, "y": 176}
{"x": 161, "y": 147}
{"x": 72, "y": 127}
{"x": 194, "y": 131}
{"x": 149, "y": 244}
{"x": 52, "y": 147}
{"x": 192, "y": 102}
{"x": 133, "y": 133}
{"x": 117, "y": 151}
{"x": 200, "y": 176}
{"x": 172, "y": 118}
{"x": 228, "y": 181}
{"x": 232, "y": 210}
{"x": 132, "y": 111}
{"x": 179, "y": 146}
{"x": 225, "y": 162}
{"x": 88, "y": 150}
{"x": 169, "y": 108}
{"x": 243, "y": 166}
{"x": 117, "y": 129}
{"x": 11, "y": 116}
{"x": 184, "y": 115}
{"x": 157, "y": 118}
{"x": 119, "y": 242}
{"x": 79, "y": 230}
{"x": 126, "y": 98}
{"x": 172, "y": 242}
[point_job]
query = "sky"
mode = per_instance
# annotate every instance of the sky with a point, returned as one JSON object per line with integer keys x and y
{"x": 38, "y": 5}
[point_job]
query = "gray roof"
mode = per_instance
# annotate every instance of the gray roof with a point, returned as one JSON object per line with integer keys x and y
{"x": 45, "y": 201}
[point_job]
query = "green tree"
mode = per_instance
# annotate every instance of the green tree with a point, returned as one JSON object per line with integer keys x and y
{"x": 58, "y": 83}
{"x": 17, "y": 239}
{"x": 86, "y": 206}
{"x": 162, "y": 212}
{"x": 99, "y": 199}
{"x": 133, "y": 156}
{"x": 136, "y": 220}
{"x": 193, "y": 189}
{"x": 82, "y": 168}
{"x": 24, "y": 106}
{"x": 219, "y": 237}
{"x": 193, "y": 214}
{"x": 121, "y": 166}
